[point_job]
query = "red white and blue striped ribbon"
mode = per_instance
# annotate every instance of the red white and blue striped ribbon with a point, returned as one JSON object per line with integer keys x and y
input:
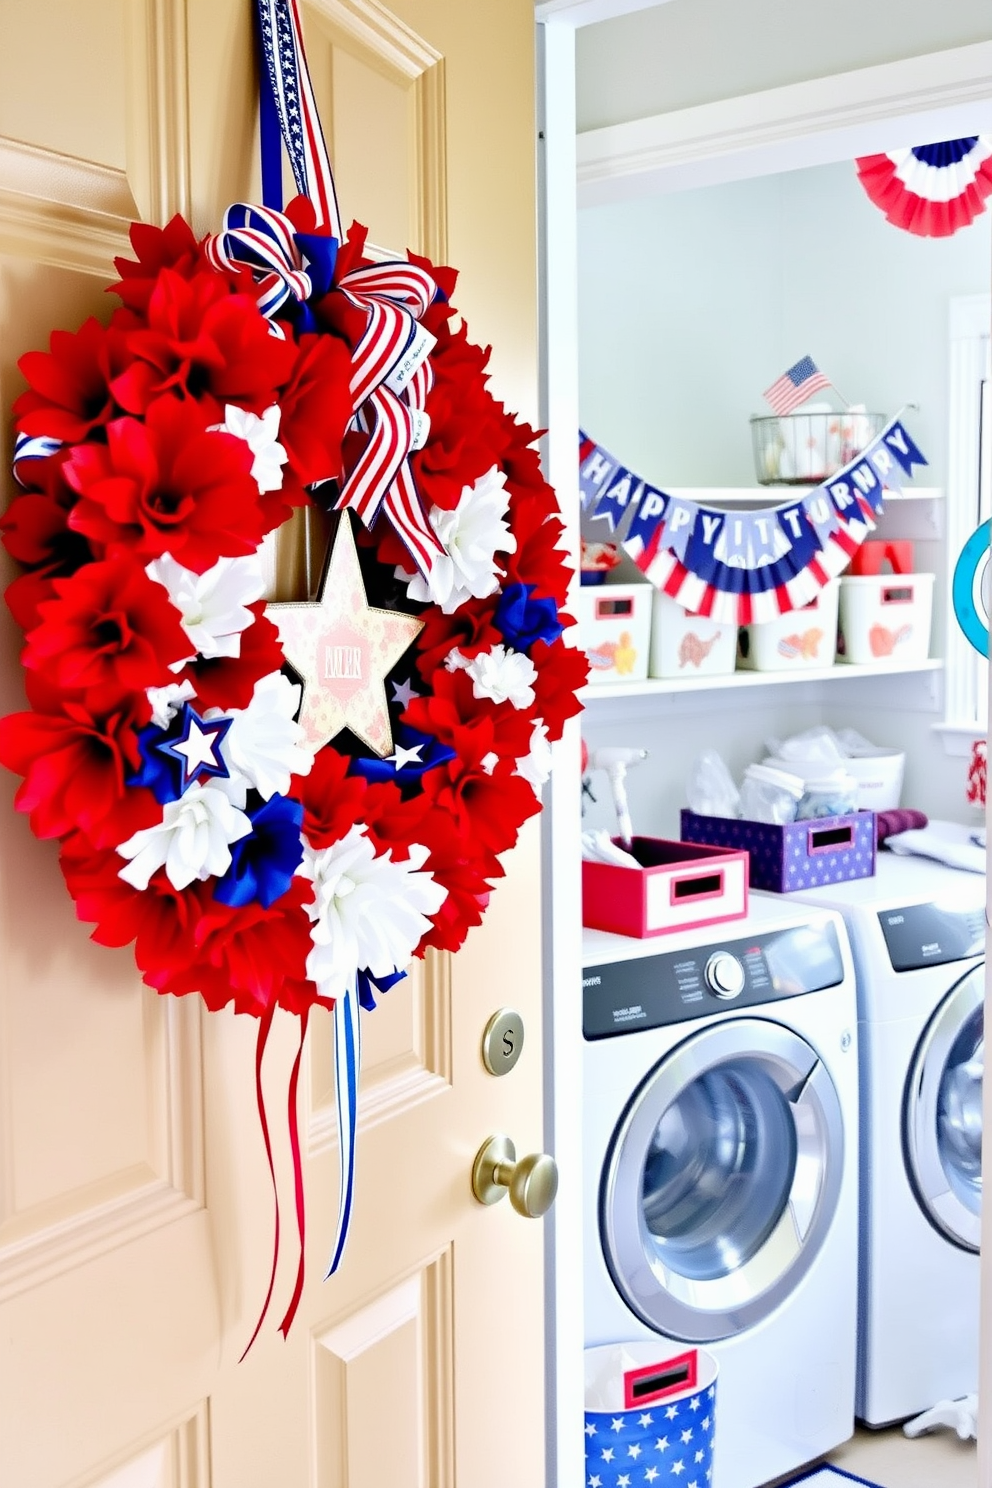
{"x": 387, "y": 394}
{"x": 281, "y": 37}
{"x": 262, "y": 240}
{"x": 33, "y": 447}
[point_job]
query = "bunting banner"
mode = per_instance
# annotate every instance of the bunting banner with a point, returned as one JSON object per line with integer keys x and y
{"x": 740, "y": 567}
{"x": 931, "y": 190}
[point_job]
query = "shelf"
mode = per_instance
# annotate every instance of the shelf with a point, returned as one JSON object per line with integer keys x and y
{"x": 676, "y": 686}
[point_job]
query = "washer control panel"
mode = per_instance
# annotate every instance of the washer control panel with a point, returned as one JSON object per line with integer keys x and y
{"x": 931, "y": 934}
{"x": 675, "y": 986}
{"x": 724, "y": 975}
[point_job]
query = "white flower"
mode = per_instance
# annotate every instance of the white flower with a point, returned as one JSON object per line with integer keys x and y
{"x": 167, "y": 701}
{"x": 535, "y": 767}
{"x": 191, "y": 841}
{"x": 264, "y": 745}
{"x": 489, "y": 761}
{"x": 472, "y": 535}
{"x": 501, "y": 674}
{"x": 212, "y": 604}
{"x": 369, "y": 913}
{"x": 261, "y": 437}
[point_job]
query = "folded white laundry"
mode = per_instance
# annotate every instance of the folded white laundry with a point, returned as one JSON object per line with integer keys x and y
{"x": 946, "y": 842}
{"x": 961, "y": 1414}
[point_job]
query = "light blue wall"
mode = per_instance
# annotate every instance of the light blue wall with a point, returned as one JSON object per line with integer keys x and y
{"x": 691, "y": 304}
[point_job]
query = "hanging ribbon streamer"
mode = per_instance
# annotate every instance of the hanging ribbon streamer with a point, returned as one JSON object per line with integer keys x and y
{"x": 288, "y": 84}
{"x": 298, "y": 1191}
{"x": 743, "y": 566}
{"x": 347, "y": 1064}
{"x": 264, "y": 1028}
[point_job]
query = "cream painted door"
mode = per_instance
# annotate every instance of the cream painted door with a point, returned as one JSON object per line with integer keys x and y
{"x": 135, "y": 1212}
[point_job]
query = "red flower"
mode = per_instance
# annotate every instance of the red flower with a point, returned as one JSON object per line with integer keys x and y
{"x": 316, "y": 408}
{"x": 69, "y": 393}
{"x": 465, "y": 869}
{"x": 109, "y": 632}
{"x": 156, "y": 248}
{"x": 470, "y": 628}
{"x": 167, "y": 485}
{"x": 561, "y": 671}
{"x": 36, "y": 524}
{"x": 205, "y": 343}
{"x": 466, "y": 438}
{"x": 332, "y": 799}
{"x": 256, "y": 956}
{"x": 229, "y": 681}
{"x": 74, "y": 765}
{"x": 486, "y": 808}
{"x": 473, "y": 727}
{"x": 160, "y": 920}
{"x": 538, "y": 560}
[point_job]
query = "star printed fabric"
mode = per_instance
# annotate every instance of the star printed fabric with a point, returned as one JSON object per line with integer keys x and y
{"x": 668, "y": 1443}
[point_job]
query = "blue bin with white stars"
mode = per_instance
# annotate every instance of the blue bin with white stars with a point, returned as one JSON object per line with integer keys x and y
{"x": 649, "y": 1416}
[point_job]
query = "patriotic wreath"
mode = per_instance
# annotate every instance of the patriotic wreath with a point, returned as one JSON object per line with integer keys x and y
{"x": 281, "y": 804}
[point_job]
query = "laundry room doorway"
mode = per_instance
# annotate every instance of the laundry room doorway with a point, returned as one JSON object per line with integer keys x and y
{"x": 741, "y": 135}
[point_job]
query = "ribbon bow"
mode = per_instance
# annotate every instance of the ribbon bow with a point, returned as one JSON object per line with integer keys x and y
{"x": 391, "y": 375}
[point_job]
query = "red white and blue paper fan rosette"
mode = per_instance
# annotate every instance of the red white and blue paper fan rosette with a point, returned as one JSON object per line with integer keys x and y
{"x": 931, "y": 190}
{"x": 280, "y": 805}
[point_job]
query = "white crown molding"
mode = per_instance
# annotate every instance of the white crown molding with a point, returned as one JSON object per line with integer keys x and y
{"x": 577, "y": 13}
{"x": 807, "y": 123}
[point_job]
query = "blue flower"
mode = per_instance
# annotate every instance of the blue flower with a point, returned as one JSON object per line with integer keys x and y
{"x": 522, "y": 619}
{"x": 413, "y": 755}
{"x": 263, "y": 863}
{"x": 159, "y": 773}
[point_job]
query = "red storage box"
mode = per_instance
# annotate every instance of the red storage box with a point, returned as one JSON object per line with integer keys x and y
{"x": 679, "y": 885}
{"x": 873, "y": 556}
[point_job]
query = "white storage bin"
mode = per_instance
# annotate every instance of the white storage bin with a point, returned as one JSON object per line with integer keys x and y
{"x": 886, "y": 617}
{"x": 878, "y": 774}
{"x": 684, "y": 645}
{"x": 796, "y": 642}
{"x": 879, "y": 778}
{"x": 615, "y": 630}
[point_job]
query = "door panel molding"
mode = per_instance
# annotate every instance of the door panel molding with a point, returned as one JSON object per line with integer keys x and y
{"x": 158, "y": 136}
{"x": 152, "y": 1195}
{"x": 372, "y": 34}
{"x": 58, "y": 210}
{"x": 420, "y": 1072}
{"x": 395, "y": 1350}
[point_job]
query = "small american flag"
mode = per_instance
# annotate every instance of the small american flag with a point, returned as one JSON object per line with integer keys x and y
{"x": 795, "y": 386}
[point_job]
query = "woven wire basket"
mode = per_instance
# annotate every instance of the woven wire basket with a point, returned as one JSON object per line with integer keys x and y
{"x": 802, "y": 449}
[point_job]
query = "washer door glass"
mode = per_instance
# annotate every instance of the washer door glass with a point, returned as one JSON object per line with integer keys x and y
{"x": 722, "y": 1179}
{"x": 719, "y": 1170}
{"x": 943, "y": 1113}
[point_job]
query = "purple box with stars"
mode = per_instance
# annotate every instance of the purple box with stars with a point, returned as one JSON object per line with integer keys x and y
{"x": 649, "y": 1418}
{"x": 798, "y": 855}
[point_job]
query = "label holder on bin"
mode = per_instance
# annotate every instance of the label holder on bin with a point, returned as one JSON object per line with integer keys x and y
{"x": 657, "y": 1381}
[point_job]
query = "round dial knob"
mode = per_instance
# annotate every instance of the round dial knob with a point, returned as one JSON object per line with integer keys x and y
{"x": 724, "y": 975}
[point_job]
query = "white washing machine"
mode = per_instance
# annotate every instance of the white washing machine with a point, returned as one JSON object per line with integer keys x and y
{"x": 918, "y": 935}
{"x": 720, "y": 1163}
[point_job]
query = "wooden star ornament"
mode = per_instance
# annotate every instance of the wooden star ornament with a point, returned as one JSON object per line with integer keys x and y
{"x": 342, "y": 650}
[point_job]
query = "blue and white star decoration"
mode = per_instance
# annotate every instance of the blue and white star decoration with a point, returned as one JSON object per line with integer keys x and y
{"x": 669, "y": 1444}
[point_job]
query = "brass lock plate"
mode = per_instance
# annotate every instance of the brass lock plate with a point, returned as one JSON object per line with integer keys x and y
{"x": 502, "y": 1041}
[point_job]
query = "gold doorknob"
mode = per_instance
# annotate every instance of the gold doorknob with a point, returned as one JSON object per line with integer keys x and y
{"x": 532, "y": 1182}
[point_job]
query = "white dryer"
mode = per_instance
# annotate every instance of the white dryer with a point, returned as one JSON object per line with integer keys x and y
{"x": 720, "y": 1164}
{"x": 918, "y": 935}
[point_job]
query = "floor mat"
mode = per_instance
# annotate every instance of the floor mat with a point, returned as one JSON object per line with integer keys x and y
{"x": 827, "y": 1477}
